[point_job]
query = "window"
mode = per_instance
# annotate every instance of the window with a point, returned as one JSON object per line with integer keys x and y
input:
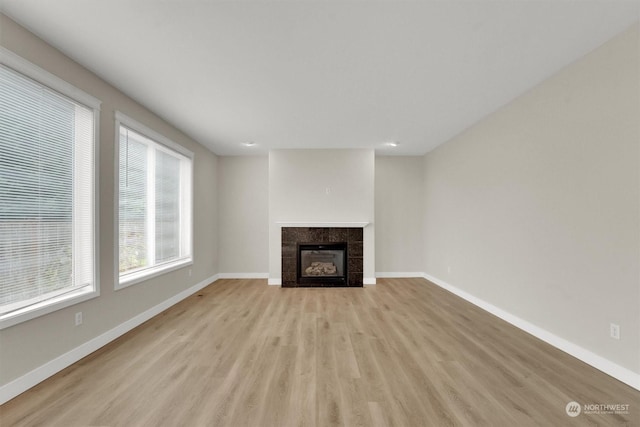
{"x": 47, "y": 192}
{"x": 154, "y": 206}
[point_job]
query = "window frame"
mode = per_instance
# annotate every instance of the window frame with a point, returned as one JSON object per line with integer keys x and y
{"x": 67, "y": 90}
{"x": 122, "y": 120}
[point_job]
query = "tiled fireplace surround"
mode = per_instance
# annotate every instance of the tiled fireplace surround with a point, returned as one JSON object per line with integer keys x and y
{"x": 291, "y": 236}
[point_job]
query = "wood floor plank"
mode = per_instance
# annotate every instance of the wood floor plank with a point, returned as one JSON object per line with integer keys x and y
{"x": 302, "y": 399}
{"x": 402, "y": 353}
{"x": 377, "y": 415}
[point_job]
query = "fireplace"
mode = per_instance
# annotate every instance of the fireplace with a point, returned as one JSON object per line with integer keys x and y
{"x": 336, "y": 252}
{"x": 322, "y": 263}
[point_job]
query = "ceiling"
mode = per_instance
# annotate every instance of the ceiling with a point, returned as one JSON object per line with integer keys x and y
{"x": 323, "y": 74}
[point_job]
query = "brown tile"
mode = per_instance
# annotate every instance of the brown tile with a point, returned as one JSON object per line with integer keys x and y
{"x": 336, "y": 235}
{"x": 355, "y": 265}
{"x": 289, "y": 250}
{"x": 318, "y": 235}
{"x": 302, "y": 234}
{"x": 289, "y": 265}
{"x": 355, "y": 279}
{"x": 288, "y": 234}
{"x": 355, "y": 234}
{"x": 355, "y": 250}
{"x": 289, "y": 277}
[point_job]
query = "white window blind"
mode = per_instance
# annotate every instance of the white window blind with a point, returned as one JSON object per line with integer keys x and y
{"x": 47, "y": 144}
{"x": 154, "y": 230}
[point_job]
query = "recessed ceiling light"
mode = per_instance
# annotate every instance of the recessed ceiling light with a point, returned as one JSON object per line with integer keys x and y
{"x": 391, "y": 144}
{"x": 249, "y": 144}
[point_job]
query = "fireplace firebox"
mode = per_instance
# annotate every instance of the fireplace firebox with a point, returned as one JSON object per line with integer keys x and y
{"x": 322, "y": 263}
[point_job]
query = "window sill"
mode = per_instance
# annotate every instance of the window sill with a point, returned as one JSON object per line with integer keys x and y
{"x": 141, "y": 276}
{"x": 48, "y": 306}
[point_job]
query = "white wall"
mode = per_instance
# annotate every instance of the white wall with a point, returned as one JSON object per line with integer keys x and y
{"x": 243, "y": 216}
{"x": 536, "y": 210}
{"x": 399, "y": 210}
{"x": 298, "y": 183}
{"x": 36, "y": 343}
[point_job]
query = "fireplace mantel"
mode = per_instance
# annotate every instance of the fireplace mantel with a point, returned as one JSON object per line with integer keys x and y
{"x": 353, "y": 224}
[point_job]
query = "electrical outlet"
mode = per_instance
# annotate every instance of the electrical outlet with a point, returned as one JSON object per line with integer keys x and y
{"x": 79, "y": 318}
{"x": 189, "y": 272}
{"x": 614, "y": 331}
{"x": 449, "y": 269}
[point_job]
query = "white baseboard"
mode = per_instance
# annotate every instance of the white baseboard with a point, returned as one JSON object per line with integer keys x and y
{"x": 618, "y": 372}
{"x": 369, "y": 281}
{"x": 398, "y": 275}
{"x": 41, "y": 373}
{"x": 275, "y": 282}
{"x": 243, "y": 275}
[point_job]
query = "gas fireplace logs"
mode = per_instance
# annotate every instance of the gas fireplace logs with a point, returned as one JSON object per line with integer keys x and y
{"x": 321, "y": 269}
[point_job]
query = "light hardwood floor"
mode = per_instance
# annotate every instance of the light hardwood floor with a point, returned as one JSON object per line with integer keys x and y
{"x": 402, "y": 353}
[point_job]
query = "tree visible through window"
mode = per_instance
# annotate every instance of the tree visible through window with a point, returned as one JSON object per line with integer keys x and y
{"x": 154, "y": 205}
{"x": 133, "y": 202}
{"x": 46, "y": 193}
